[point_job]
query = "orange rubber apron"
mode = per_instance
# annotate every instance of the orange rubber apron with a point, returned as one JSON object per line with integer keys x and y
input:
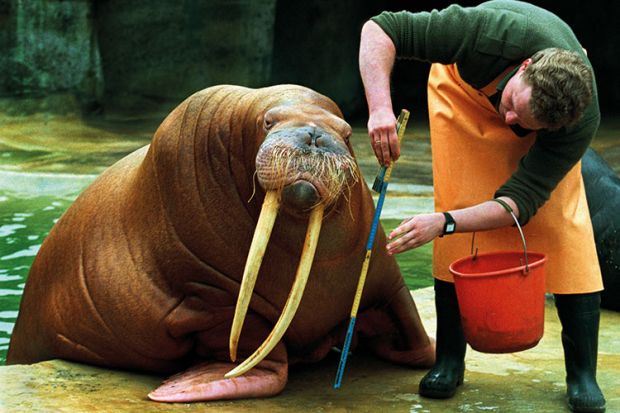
{"x": 474, "y": 153}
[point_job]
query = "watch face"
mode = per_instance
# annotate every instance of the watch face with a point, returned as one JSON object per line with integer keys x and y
{"x": 450, "y": 227}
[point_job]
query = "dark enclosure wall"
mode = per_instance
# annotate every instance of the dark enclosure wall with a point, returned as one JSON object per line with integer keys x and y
{"x": 147, "y": 56}
{"x": 160, "y": 51}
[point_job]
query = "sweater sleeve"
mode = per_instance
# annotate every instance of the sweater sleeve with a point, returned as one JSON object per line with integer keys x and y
{"x": 549, "y": 159}
{"x": 444, "y": 36}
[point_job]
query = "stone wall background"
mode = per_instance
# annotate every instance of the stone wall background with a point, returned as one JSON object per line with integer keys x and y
{"x": 130, "y": 56}
{"x": 47, "y": 48}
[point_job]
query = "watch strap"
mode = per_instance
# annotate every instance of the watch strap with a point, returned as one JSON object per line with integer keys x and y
{"x": 449, "y": 226}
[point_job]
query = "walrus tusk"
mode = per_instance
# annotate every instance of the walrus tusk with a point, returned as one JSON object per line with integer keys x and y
{"x": 260, "y": 239}
{"x": 294, "y": 298}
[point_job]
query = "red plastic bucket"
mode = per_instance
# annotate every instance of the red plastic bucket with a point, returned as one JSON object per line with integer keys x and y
{"x": 502, "y": 305}
{"x": 501, "y": 297}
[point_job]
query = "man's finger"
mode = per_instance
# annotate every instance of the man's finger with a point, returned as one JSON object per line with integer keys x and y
{"x": 396, "y": 234}
{"x": 398, "y": 231}
{"x": 375, "y": 143}
{"x": 394, "y": 145}
{"x": 385, "y": 148}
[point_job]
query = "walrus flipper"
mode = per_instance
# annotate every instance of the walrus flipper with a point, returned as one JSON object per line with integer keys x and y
{"x": 206, "y": 381}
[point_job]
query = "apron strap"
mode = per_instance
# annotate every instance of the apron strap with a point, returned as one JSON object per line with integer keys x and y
{"x": 491, "y": 88}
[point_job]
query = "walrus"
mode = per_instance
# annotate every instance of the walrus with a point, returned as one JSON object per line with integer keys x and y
{"x": 185, "y": 257}
{"x": 602, "y": 186}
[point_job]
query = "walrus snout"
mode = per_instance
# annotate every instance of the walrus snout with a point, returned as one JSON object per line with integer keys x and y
{"x": 317, "y": 139}
{"x": 300, "y": 195}
{"x": 307, "y": 153}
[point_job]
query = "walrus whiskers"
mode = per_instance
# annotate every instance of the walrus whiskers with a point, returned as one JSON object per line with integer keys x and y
{"x": 253, "y": 186}
{"x": 294, "y": 298}
{"x": 336, "y": 172}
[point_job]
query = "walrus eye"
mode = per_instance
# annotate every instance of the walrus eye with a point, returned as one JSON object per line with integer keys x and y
{"x": 347, "y": 136}
{"x": 268, "y": 123}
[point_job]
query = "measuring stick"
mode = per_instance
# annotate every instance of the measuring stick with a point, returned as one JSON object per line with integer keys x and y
{"x": 380, "y": 185}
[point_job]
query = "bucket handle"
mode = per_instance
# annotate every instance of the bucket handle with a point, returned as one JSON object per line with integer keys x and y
{"x": 509, "y": 209}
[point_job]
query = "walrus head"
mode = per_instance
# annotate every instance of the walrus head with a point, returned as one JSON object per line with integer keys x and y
{"x": 305, "y": 163}
{"x": 305, "y": 155}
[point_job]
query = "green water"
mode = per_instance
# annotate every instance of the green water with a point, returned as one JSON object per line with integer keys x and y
{"x": 414, "y": 264}
{"x": 24, "y": 223}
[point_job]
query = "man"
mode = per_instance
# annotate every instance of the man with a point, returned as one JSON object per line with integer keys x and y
{"x": 513, "y": 107}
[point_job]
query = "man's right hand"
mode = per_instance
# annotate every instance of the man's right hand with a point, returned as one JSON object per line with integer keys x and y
{"x": 377, "y": 55}
{"x": 383, "y": 137}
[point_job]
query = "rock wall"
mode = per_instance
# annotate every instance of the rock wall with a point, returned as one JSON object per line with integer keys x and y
{"x": 48, "y": 47}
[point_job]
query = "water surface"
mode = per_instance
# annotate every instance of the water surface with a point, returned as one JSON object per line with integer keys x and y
{"x": 24, "y": 224}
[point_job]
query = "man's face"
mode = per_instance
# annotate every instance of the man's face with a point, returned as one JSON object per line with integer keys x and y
{"x": 514, "y": 106}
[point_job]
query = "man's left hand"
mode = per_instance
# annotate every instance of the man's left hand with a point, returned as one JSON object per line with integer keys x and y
{"x": 415, "y": 231}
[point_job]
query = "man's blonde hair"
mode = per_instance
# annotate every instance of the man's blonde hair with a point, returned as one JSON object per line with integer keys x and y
{"x": 561, "y": 87}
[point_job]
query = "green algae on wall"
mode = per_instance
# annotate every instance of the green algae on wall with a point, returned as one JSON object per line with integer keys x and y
{"x": 48, "y": 47}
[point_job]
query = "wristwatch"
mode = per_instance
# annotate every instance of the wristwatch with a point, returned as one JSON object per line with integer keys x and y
{"x": 450, "y": 226}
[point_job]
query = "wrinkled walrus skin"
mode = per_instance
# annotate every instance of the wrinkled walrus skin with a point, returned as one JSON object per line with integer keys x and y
{"x": 142, "y": 272}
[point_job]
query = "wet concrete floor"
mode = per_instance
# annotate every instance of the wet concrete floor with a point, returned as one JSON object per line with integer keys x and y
{"x": 529, "y": 381}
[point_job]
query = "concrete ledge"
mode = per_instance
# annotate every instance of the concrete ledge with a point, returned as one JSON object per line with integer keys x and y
{"x": 529, "y": 381}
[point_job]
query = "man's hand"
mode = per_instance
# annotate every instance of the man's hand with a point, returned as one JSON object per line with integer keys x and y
{"x": 415, "y": 231}
{"x": 383, "y": 137}
{"x": 376, "y": 58}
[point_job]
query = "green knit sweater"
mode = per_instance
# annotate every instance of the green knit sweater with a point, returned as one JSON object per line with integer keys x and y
{"x": 484, "y": 41}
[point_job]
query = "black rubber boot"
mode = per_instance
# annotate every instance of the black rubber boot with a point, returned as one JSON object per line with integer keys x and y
{"x": 579, "y": 315}
{"x": 447, "y": 373}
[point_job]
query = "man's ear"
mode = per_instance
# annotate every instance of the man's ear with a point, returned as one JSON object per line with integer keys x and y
{"x": 525, "y": 64}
